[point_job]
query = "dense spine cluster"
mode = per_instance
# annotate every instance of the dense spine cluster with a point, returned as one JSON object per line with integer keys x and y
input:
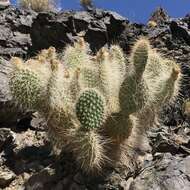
{"x": 90, "y": 109}
{"x": 93, "y": 102}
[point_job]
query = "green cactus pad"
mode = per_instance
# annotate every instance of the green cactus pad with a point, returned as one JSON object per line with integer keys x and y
{"x": 89, "y": 77}
{"x": 90, "y": 109}
{"x": 25, "y": 88}
{"x": 140, "y": 56}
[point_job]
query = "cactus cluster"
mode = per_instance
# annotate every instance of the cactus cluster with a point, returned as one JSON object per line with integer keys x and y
{"x": 91, "y": 102}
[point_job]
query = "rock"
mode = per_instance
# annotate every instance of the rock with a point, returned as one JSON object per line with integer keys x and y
{"x": 6, "y": 176}
{"x": 159, "y": 16}
{"x": 166, "y": 172}
{"x": 30, "y": 141}
{"x": 180, "y": 32}
{"x": 6, "y": 136}
{"x": 37, "y": 122}
{"x": 186, "y": 19}
{"x": 15, "y": 25}
{"x": 174, "y": 140}
{"x": 51, "y": 29}
{"x": 4, "y": 4}
{"x": 41, "y": 180}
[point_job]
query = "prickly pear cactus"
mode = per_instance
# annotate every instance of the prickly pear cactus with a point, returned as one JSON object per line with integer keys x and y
{"x": 92, "y": 103}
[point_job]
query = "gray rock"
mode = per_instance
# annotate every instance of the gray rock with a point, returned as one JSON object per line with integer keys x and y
{"x": 167, "y": 172}
{"x": 180, "y": 31}
{"x": 6, "y": 176}
{"x": 4, "y": 4}
{"x": 6, "y": 136}
{"x": 41, "y": 180}
{"x": 159, "y": 16}
{"x": 37, "y": 122}
{"x": 15, "y": 28}
{"x": 59, "y": 29}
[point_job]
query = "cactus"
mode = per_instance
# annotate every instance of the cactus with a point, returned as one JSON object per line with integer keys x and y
{"x": 133, "y": 92}
{"x": 55, "y": 87}
{"x": 89, "y": 77}
{"x": 88, "y": 148}
{"x": 76, "y": 55}
{"x": 89, "y": 101}
{"x": 90, "y": 109}
{"x": 27, "y": 85}
{"x": 119, "y": 127}
{"x": 111, "y": 68}
{"x": 30, "y": 93}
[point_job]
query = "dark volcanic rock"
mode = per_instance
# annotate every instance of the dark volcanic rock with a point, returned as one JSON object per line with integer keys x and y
{"x": 15, "y": 28}
{"x": 24, "y": 33}
{"x": 51, "y": 29}
{"x": 165, "y": 173}
{"x": 6, "y": 137}
{"x": 180, "y": 32}
{"x": 6, "y": 176}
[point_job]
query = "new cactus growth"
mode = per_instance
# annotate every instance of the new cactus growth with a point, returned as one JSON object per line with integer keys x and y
{"x": 89, "y": 101}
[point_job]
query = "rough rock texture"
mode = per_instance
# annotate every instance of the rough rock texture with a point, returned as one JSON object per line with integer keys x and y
{"x": 15, "y": 26}
{"x": 166, "y": 172}
{"x": 159, "y": 16}
{"x": 25, "y": 33}
{"x": 26, "y": 160}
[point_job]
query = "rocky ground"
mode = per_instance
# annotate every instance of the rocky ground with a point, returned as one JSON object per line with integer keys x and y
{"x": 26, "y": 160}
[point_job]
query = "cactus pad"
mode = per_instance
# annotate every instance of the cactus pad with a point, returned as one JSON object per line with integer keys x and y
{"x": 89, "y": 77}
{"x": 90, "y": 109}
{"x": 25, "y": 88}
{"x": 140, "y": 56}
